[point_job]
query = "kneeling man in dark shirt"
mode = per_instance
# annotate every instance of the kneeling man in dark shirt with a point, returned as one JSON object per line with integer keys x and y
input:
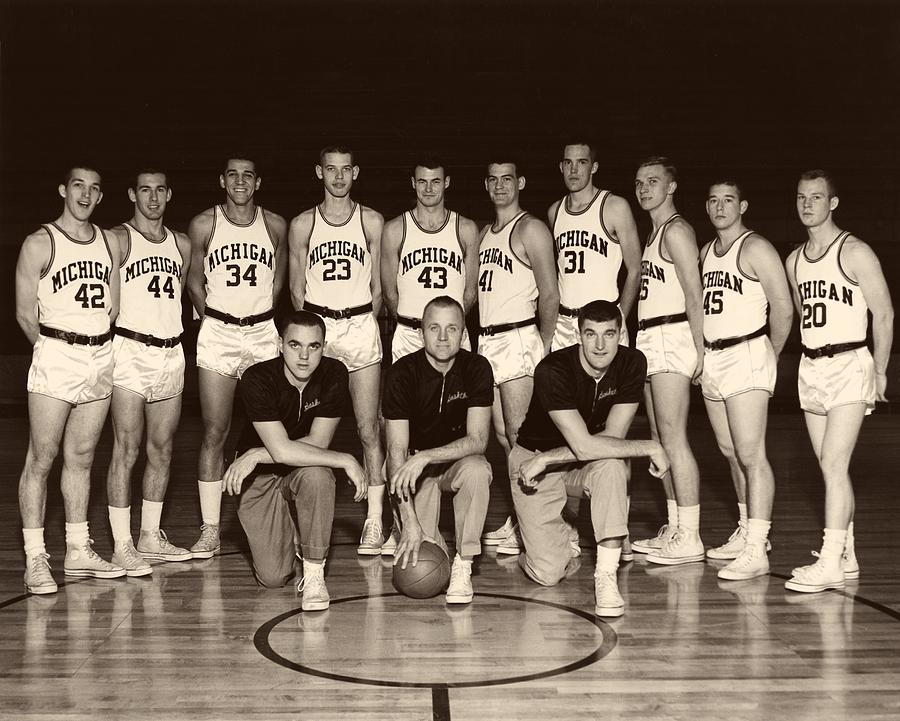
{"x": 572, "y": 443}
{"x": 295, "y": 402}
{"x": 437, "y": 410}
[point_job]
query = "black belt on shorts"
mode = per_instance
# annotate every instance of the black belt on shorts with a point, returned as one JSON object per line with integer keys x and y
{"x": 149, "y": 339}
{"x": 573, "y": 312}
{"x": 661, "y": 320}
{"x": 337, "y": 314}
{"x": 832, "y": 349}
{"x": 503, "y": 327}
{"x": 234, "y": 320}
{"x": 723, "y": 343}
{"x": 74, "y": 338}
{"x": 414, "y": 323}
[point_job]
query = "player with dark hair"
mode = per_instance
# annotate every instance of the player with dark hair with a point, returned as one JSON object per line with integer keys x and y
{"x": 437, "y": 411}
{"x": 335, "y": 254}
{"x": 67, "y": 295}
{"x": 148, "y": 378}
{"x": 747, "y": 316}
{"x": 836, "y": 281}
{"x": 670, "y": 334}
{"x": 294, "y": 402}
{"x": 237, "y": 271}
{"x": 573, "y": 442}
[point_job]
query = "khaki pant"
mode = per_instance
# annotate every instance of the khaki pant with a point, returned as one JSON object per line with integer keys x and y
{"x": 265, "y": 514}
{"x": 543, "y": 530}
{"x": 469, "y": 479}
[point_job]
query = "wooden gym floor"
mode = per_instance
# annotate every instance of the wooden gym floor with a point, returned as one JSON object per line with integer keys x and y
{"x": 199, "y": 640}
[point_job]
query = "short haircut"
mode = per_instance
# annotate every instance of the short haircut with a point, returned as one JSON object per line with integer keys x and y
{"x": 503, "y": 158}
{"x": 70, "y": 171}
{"x": 149, "y": 171}
{"x": 726, "y": 180}
{"x": 342, "y": 149}
{"x": 663, "y": 161}
{"x": 303, "y": 318}
{"x": 241, "y": 156}
{"x": 444, "y": 301}
{"x": 430, "y": 162}
{"x": 599, "y": 311}
{"x": 579, "y": 140}
{"x": 817, "y": 173}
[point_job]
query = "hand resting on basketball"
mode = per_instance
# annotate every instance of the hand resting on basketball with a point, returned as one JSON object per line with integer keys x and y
{"x": 411, "y": 538}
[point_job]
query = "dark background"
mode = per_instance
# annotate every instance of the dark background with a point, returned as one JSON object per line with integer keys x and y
{"x": 760, "y": 91}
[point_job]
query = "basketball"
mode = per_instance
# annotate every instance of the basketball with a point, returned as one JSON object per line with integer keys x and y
{"x": 428, "y": 577}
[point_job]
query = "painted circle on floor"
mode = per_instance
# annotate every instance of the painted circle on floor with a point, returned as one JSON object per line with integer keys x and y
{"x": 391, "y": 640}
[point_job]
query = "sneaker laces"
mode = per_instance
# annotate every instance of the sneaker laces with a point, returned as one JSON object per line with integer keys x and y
{"x": 130, "y": 555}
{"x": 606, "y": 585}
{"x": 313, "y": 576}
{"x": 371, "y": 533}
{"x": 208, "y": 533}
{"x": 459, "y": 571}
{"x": 40, "y": 564}
{"x": 165, "y": 544}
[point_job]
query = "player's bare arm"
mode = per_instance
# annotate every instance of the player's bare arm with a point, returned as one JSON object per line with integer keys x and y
{"x": 792, "y": 279}
{"x": 536, "y": 243}
{"x": 116, "y": 253}
{"x": 862, "y": 265}
{"x": 199, "y": 232}
{"x": 478, "y": 423}
{"x": 278, "y": 231}
{"x": 619, "y": 219}
{"x": 373, "y": 226}
{"x": 34, "y": 257}
{"x": 411, "y": 535}
{"x": 184, "y": 250}
{"x": 391, "y": 242}
{"x": 469, "y": 238}
{"x": 551, "y": 213}
{"x": 582, "y": 446}
{"x": 680, "y": 244}
{"x": 298, "y": 249}
{"x": 320, "y": 435}
{"x": 759, "y": 259}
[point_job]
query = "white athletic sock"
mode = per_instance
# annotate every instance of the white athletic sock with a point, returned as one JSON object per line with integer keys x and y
{"x": 77, "y": 534}
{"x": 210, "y": 501}
{"x": 758, "y": 531}
{"x": 34, "y": 541}
{"x": 742, "y": 514}
{"x": 375, "y": 502}
{"x": 308, "y": 565}
{"x": 608, "y": 559}
{"x": 833, "y": 545}
{"x": 120, "y": 523}
{"x": 151, "y": 513}
{"x": 672, "y": 510}
{"x": 689, "y": 518}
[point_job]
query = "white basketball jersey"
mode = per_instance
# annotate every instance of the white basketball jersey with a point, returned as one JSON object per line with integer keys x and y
{"x": 339, "y": 264}
{"x": 150, "y": 285}
{"x": 507, "y": 291}
{"x": 239, "y": 265}
{"x": 588, "y": 257}
{"x": 431, "y": 264}
{"x": 833, "y": 307}
{"x": 73, "y": 292}
{"x": 734, "y": 303}
{"x": 661, "y": 293}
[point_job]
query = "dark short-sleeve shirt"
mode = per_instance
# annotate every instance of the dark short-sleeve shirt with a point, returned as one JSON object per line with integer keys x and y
{"x": 268, "y": 396}
{"x": 561, "y": 383}
{"x": 435, "y": 404}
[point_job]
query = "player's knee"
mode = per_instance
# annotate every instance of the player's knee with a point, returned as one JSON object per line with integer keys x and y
{"x": 834, "y": 468}
{"x": 319, "y": 480}
{"x": 368, "y": 432}
{"x": 41, "y": 455}
{"x": 271, "y": 578}
{"x": 545, "y": 570}
{"x": 159, "y": 452}
{"x": 749, "y": 458}
{"x": 611, "y": 472}
{"x": 475, "y": 474}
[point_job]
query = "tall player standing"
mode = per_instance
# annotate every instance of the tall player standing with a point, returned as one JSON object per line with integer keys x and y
{"x": 67, "y": 294}
{"x": 836, "y": 280}
{"x": 426, "y": 252}
{"x": 335, "y": 252}
{"x": 743, "y": 285}
{"x": 236, "y": 273}
{"x": 670, "y": 334}
{"x": 148, "y": 378}
{"x": 516, "y": 278}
